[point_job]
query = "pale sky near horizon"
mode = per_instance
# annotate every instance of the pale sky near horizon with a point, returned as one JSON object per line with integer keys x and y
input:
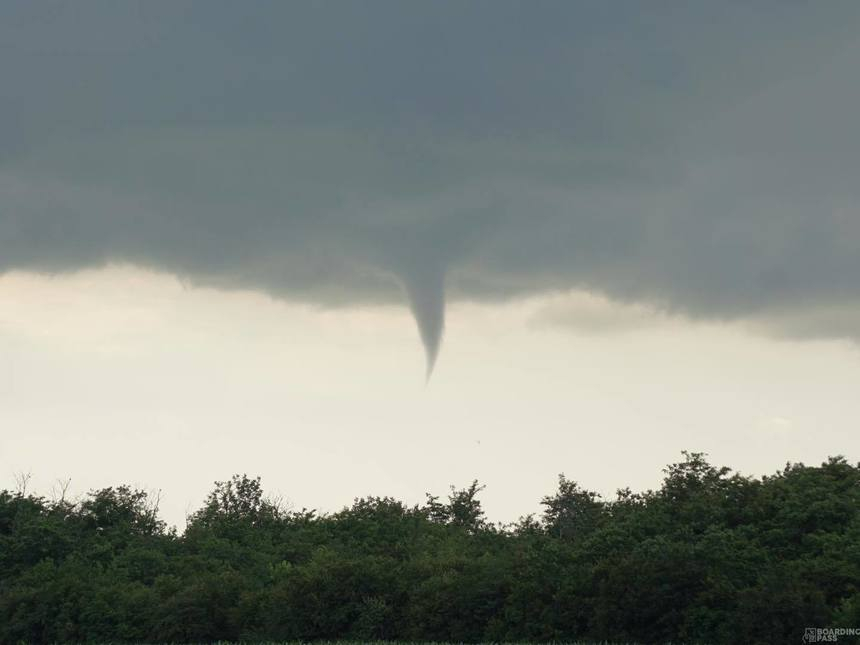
{"x": 235, "y": 238}
{"x": 123, "y": 375}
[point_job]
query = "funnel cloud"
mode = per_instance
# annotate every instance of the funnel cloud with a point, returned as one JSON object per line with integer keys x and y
{"x": 697, "y": 158}
{"x": 426, "y": 294}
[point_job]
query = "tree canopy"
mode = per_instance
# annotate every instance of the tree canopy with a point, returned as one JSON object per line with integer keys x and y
{"x": 711, "y": 556}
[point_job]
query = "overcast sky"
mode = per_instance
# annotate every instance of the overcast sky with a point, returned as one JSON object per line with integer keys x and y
{"x": 633, "y": 229}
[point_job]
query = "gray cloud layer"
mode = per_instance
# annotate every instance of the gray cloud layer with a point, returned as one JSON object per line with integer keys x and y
{"x": 698, "y": 157}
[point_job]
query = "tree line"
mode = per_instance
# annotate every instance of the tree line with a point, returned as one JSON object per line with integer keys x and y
{"x": 712, "y": 556}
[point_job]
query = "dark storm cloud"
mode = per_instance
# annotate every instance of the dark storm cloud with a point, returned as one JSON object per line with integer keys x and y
{"x": 699, "y": 157}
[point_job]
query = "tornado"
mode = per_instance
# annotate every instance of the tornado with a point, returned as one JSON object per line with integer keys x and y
{"x": 426, "y": 293}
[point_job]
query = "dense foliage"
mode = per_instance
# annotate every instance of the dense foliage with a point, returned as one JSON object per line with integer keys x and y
{"x": 711, "y": 556}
